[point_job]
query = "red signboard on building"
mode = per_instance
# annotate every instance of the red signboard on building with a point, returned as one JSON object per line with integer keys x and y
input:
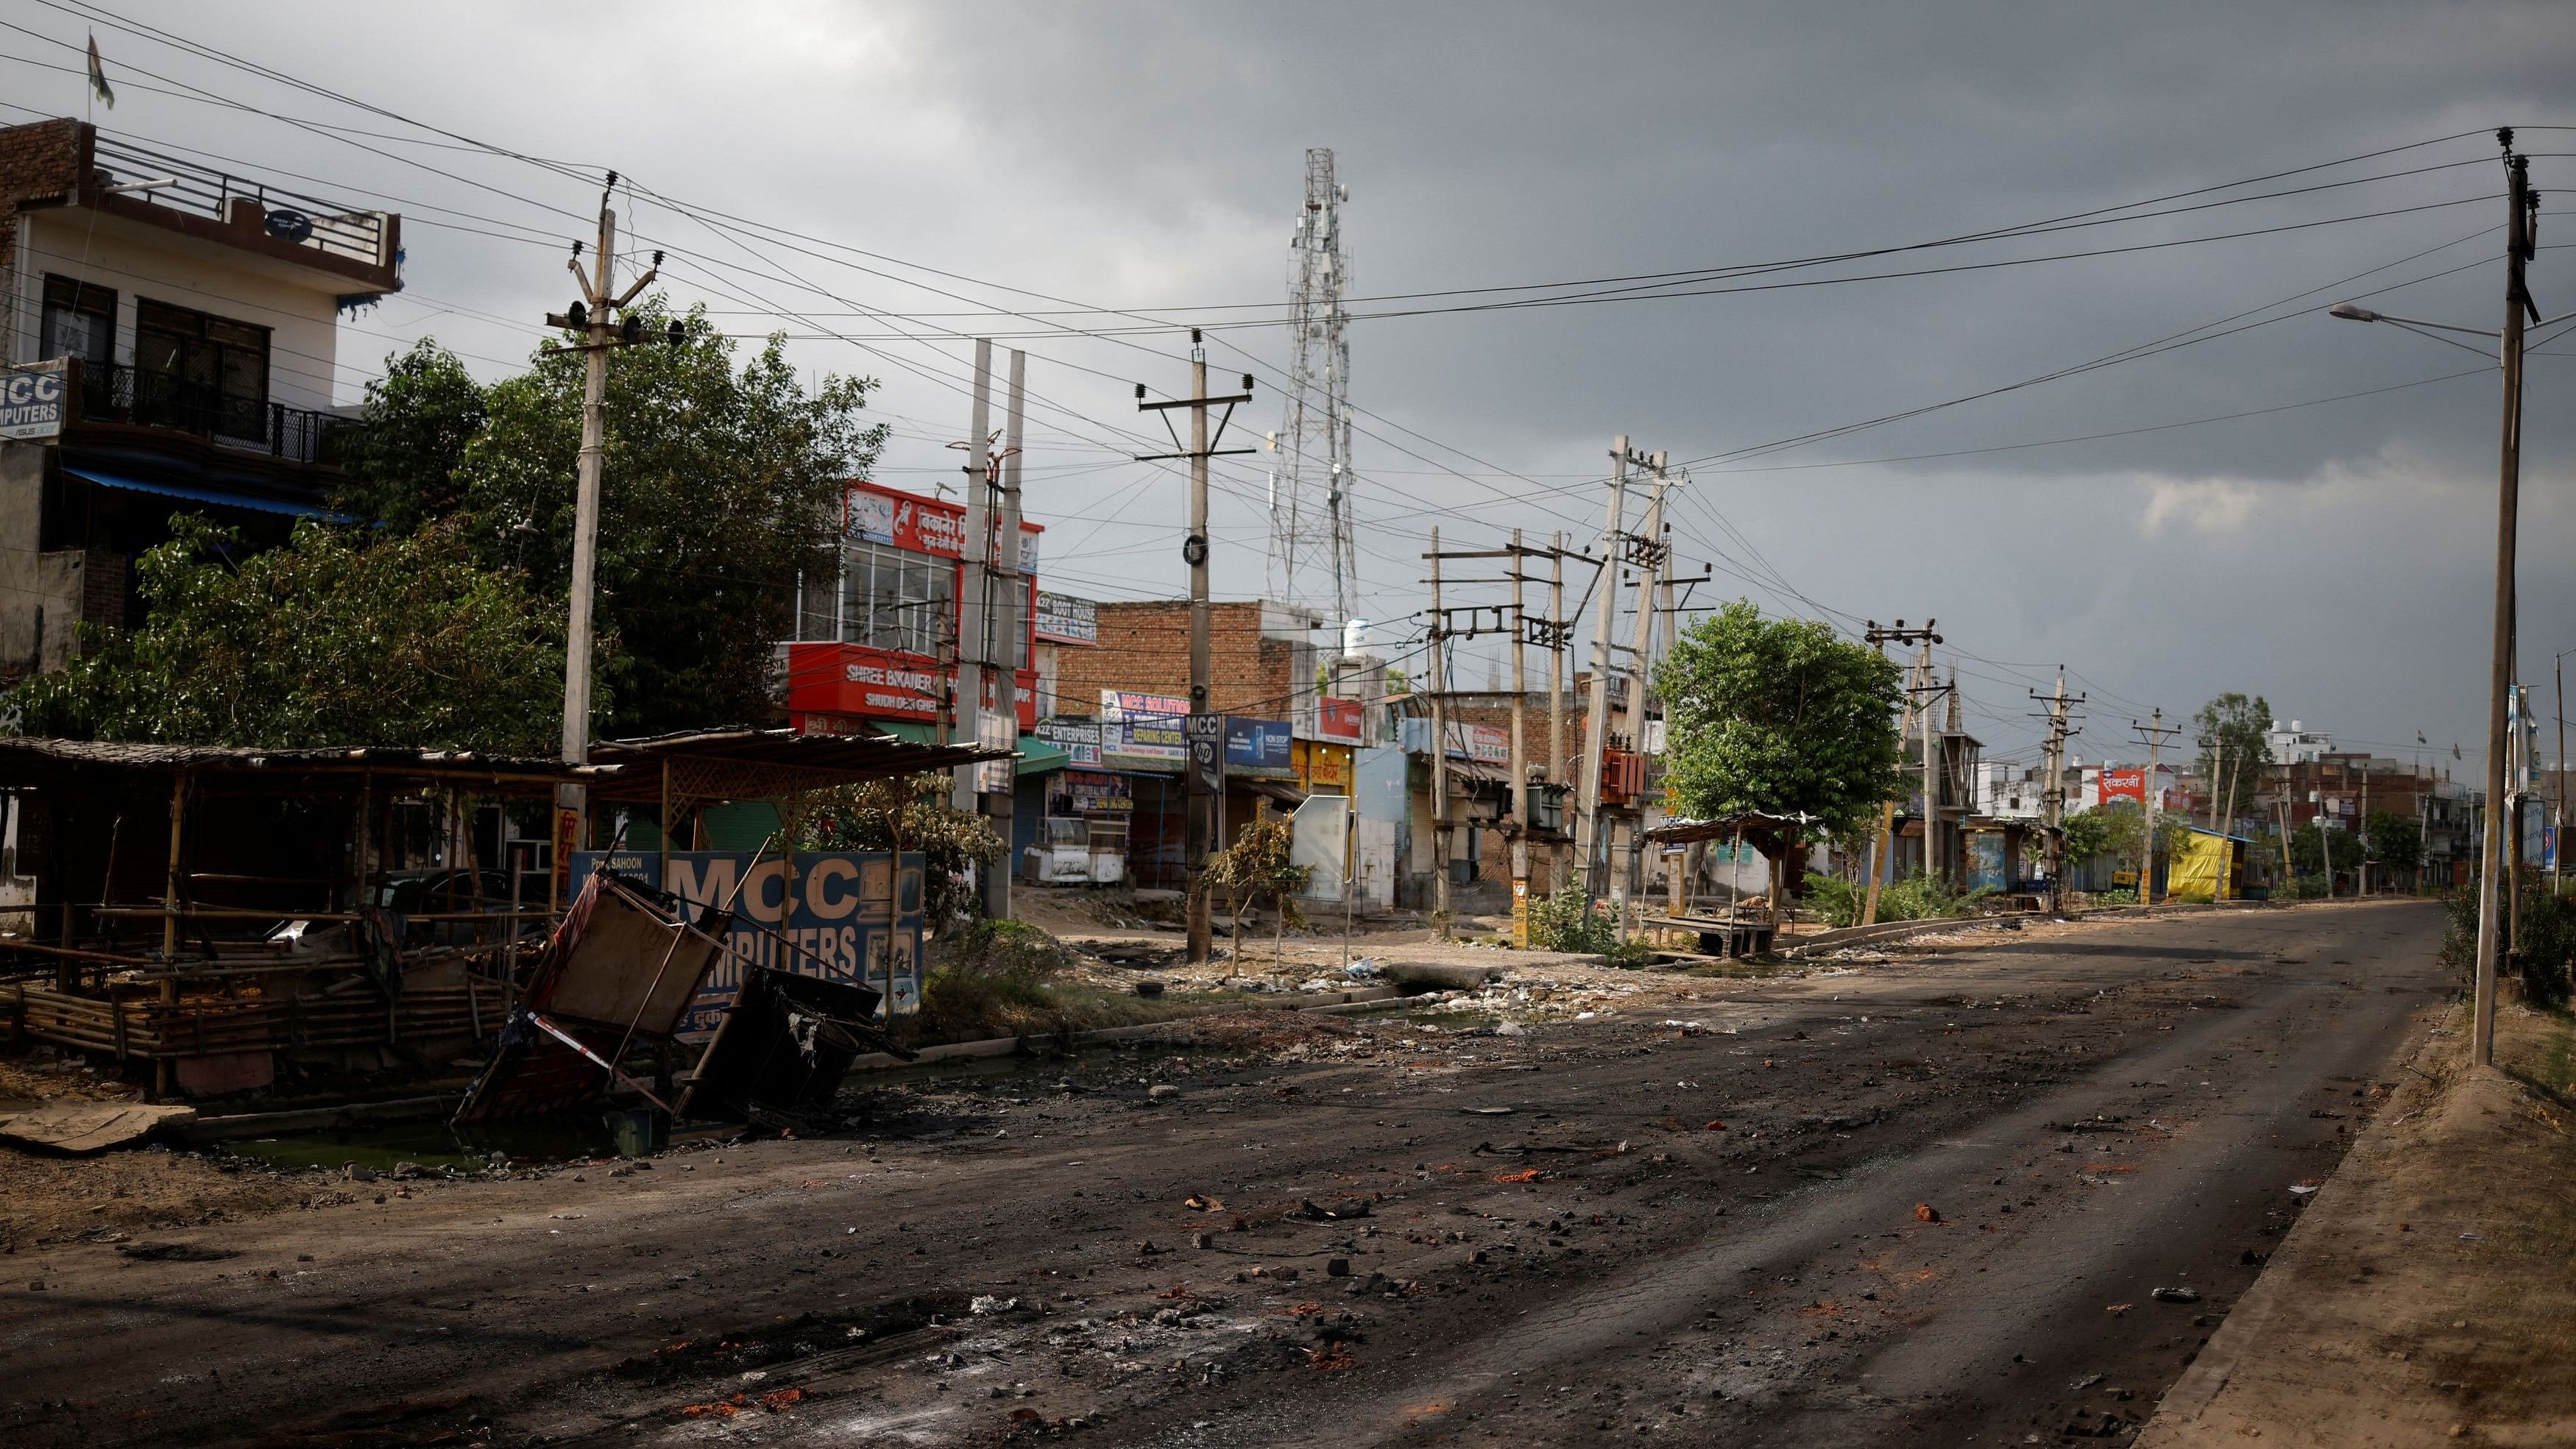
{"x": 935, "y": 526}
{"x": 2122, "y": 785}
{"x": 881, "y": 684}
{"x": 1338, "y": 719}
{"x": 833, "y": 685}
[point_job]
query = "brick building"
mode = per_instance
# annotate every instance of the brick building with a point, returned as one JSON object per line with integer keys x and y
{"x": 1262, "y": 657}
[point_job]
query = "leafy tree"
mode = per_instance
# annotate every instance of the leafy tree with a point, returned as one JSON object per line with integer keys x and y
{"x": 1257, "y": 864}
{"x": 2396, "y": 841}
{"x": 335, "y": 638}
{"x": 420, "y": 418}
{"x": 2305, "y": 849}
{"x": 2242, "y": 726}
{"x": 1777, "y": 715}
{"x": 2089, "y": 833}
{"x": 720, "y": 485}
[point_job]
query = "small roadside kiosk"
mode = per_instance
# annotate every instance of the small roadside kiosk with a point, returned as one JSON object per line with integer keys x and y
{"x": 1739, "y": 929}
{"x": 2207, "y": 866}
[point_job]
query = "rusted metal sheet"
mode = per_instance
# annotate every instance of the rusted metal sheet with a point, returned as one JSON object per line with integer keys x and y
{"x": 82, "y": 1127}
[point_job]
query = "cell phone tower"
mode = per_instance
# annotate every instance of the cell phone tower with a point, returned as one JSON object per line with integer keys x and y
{"x": 1311, "y": 479}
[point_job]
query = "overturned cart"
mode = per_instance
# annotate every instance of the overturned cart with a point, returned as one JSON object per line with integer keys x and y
{"x": 620, "y": 971}
{"x": 784, "y": 1045}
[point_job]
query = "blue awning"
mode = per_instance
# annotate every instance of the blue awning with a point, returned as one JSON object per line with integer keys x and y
{"x": 222, "y": 497}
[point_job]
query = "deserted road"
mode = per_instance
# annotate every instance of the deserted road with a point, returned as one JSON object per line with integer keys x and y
{"x": 1612, "y": 1230}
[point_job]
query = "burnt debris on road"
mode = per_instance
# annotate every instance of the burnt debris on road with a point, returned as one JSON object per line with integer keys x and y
{"x": 1440, "y": 1221}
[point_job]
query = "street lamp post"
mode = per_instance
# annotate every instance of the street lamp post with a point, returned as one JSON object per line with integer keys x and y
{"x": 2520, "y": 224}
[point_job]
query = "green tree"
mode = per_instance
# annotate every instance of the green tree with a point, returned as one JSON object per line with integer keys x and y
{"x": 721, "y": 483}
{"x": 2396, "y": 841}
{"x": 2242, "y": 726}
{"x": 335, "y": 638}
{"x": 2305, "y": 849}
{"x": 2089, "y": 833}
{"x": 420, "y": 418}
{"x": 1777, "y": 715}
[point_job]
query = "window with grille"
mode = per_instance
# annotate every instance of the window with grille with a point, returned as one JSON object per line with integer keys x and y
{"x": 80, "y": 321}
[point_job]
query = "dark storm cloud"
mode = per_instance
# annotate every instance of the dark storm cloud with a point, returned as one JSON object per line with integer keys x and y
{"x": 1150, "y": 157}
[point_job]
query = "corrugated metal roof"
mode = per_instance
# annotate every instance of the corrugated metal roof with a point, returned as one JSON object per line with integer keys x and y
{"x": 21, "y": 752}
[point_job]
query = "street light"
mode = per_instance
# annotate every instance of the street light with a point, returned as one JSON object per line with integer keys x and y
{"x": 2522, "y": 207}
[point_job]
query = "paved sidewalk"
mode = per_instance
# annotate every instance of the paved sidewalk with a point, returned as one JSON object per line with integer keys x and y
{"x": 2428, "y": 1292}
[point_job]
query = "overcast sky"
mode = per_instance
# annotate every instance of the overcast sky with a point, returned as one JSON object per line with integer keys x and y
{"x": 910, "y": 163}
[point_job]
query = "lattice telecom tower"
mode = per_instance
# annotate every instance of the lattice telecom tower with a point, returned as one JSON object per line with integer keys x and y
{"x": 1310, "y": 484}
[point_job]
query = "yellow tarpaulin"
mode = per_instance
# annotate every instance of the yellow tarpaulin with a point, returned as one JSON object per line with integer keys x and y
{"x": 2199, "y": 868}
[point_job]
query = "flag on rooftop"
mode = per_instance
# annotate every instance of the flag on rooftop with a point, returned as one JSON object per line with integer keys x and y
{"x": 98, "y": 75}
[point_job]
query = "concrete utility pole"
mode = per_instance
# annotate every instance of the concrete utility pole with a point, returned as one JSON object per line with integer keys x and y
{"x": 592, "y": 317}
{"x": 1882, "y": 851}
{"x": 1559, "y": 630}
{"x": 1482, "y": 619}
{"x": 1934, "y": 861}
{"x": 1648, "y": 552}
{"x": 1440, "y": 827}
{"x": 1520, "y": 753}
{"x": 1012, "y": 626}
{"x": 974, "y": 630}
{"x": 2518, "y": 250}
{"x": 2054, "y": 796}
{"x": 1596, "y": 715}
{"x": 1194, "y": 552}
{"x": 2496, "y": 891}
{"x": 2154, "y": 736}
{"x": 2558, "y": 828}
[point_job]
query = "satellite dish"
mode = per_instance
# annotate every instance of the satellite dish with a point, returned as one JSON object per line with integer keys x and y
{"x": 292, "y": 226}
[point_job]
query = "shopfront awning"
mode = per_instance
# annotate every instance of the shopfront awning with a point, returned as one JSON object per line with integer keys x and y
{"x": 1041, "y": 757}
{"x": 209, "y": 492}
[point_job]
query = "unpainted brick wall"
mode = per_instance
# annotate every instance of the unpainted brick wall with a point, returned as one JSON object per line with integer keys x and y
{"x": 1145, "y": 647}
{"x": 39, "y": 161}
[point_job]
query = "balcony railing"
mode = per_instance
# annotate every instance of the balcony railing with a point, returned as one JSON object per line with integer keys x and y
{"x": 118, "y": 393}
{"x": 309, "y": 221}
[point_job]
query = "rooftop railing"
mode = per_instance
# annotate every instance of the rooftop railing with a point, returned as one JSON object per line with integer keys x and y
{"x": 325, "y": 226}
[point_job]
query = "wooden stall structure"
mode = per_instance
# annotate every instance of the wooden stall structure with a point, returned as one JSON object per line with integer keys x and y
{"x": 1736, "y": 929}
{"x": 216, "y": 910}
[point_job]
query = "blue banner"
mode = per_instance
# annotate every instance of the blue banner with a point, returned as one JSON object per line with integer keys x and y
{"x": 1258, "y": 747}
{"x": 846, "y": 917}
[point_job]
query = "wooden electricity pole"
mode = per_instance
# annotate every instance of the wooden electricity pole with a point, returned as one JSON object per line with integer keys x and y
{"x": 1194, "y": 552}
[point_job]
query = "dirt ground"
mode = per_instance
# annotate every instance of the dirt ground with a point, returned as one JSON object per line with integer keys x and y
{"x": 1917, "y": 1199}
{"x": 2428, "y": 1296}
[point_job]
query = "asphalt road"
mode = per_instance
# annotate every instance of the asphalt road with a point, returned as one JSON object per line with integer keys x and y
{"x": 1924, "y": 1202}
